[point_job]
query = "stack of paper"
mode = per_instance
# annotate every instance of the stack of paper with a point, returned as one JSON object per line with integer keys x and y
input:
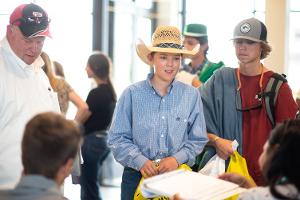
{"x": 190, "y": 186}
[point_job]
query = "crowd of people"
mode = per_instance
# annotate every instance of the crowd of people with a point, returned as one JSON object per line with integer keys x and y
{"x": 182, "y": 113}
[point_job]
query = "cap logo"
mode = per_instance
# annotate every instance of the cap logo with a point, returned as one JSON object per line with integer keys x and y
{"x": 37, "y": 14}
{"x": 245, "y": 28}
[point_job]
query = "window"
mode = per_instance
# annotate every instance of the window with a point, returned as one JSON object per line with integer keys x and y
{"x": 132, "y": 20}
{"x": 220, "y": 17}
{"x": 294, "y": 45}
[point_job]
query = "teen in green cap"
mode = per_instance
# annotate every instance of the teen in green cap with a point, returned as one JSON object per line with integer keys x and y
{"x": 195, "y": 34}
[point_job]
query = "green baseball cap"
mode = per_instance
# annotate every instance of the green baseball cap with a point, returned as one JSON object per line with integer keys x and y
{"x": 195, "y": 30}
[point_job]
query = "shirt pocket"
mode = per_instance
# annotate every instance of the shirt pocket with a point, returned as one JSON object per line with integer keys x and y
{"x": 178, "y": 127}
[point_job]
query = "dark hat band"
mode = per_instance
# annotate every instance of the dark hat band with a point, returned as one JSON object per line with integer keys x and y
{"x": 169, "y": 45}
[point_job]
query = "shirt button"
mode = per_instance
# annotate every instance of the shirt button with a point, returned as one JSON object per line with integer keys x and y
{"x": 163, "y": 100}
{"x": 160, "y": 153}
{"x": 163, "y": 117}
{"x": 185, "y": 120}
{"x": 161, "y": 135}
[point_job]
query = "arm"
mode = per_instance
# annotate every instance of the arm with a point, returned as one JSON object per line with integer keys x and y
{"x": 196, "y": 137}
{"x": 223, "y": 146}
{"x": 120, "y": 137}
{"x": 83, "y": 112}
{"x": 238, "y": 179}
{"x": 286, "y": 107}
{"x": 222, "y": 122}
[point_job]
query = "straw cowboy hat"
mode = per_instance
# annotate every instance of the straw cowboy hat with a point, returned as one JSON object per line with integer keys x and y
{"x": 165, "y": 39}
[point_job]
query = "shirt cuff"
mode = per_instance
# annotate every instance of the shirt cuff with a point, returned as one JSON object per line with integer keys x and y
{"x": 139, "y": 162}
{"x": 181, "y": 157}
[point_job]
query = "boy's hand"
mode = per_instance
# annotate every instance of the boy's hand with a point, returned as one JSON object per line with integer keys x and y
{"x": 167, "y": 164}
{"x": 149, "y": 169}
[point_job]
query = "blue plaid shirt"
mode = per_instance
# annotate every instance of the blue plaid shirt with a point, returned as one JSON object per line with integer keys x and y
{"x": 147, "y": 126}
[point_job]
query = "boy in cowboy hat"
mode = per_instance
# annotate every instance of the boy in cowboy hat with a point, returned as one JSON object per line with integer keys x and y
{"x": 158, "y": 119}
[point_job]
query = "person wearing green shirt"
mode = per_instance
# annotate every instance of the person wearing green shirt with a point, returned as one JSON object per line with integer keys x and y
{"x": 199, "y": 65}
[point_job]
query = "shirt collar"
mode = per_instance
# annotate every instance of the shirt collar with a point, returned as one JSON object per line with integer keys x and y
{"x": 38, "y": 181}
{"x": 148, "y": 82}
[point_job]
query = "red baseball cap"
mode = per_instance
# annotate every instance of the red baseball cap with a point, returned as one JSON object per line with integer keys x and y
{"x": 32, "y": 20}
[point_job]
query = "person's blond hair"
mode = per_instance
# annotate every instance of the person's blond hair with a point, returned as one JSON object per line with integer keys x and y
{"x": 265, "y": 50}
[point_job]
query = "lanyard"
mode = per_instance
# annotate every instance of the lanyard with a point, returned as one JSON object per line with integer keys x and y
{"x": 260, "y": 79}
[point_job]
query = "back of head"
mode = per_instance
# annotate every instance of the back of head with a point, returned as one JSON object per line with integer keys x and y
{"x": 49, "y": 141}
{"x": 31, "y": 19}
{"x": 284, "y": 164}
{"x": 100, "y": 64}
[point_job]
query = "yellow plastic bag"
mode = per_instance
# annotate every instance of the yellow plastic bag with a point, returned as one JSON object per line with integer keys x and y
{"x": 238, "y": 164}
{"x": 138, "y": 194}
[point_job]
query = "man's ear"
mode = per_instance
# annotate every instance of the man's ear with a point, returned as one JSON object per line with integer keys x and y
{"x": 64, "y": 171}
{"x": 68, "y": 167}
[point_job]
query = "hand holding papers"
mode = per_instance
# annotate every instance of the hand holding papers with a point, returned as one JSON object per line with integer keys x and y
{"x": 190, "y": 186}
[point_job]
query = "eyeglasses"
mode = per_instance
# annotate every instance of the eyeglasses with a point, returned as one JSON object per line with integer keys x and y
{"x": 238, "y": 103}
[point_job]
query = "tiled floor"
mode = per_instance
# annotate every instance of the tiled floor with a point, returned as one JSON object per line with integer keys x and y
{"x": 72, "y": 191}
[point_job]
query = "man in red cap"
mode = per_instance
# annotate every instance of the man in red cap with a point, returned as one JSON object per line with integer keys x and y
{"x": 24, "y": 87}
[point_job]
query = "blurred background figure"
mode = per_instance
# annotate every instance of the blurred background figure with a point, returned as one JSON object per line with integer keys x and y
{"x": 64, "y": 91}
{"x": 199, "y": 69}
{"x": 101, "y": 102}
{"x": 49, "y": 146}
{"x": 58, "y": 69}
{"x": 279, "y": 165}
{"x": 66, "y": 94}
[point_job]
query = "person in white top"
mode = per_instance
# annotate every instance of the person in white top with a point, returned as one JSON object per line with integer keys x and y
{"x": 24, "y": 88}
{"x": 279, "y": 164}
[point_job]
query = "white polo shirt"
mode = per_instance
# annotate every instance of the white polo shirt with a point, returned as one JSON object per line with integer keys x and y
{"x": 24, "y": 92}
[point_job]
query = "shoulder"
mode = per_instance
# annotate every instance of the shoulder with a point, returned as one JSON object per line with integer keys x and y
{"x": 184, "y": 87}
{"x": 138, "y": 87}
{"x": 224, "y": 74}
{"x": 262, "y": 193}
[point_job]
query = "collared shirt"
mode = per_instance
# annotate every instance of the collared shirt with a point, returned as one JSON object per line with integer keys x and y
{"x": 24, "y": 92}
{"x": 194, "y": 70}
{"x": 148, "y": 126}
{"x": 33, "y": 187}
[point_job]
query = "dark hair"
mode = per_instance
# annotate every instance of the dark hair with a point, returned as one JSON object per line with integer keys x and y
{"x": 101, "y": 65}
{"x": 203, "y": 40}
{"x": 49, "y": 141}
{"x": 283, "y": 163}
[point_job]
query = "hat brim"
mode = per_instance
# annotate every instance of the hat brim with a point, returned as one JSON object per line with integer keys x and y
{"x": 247, "y": 38}
{"x": 42, "y": 33}
{"x": 190, "y": 34}
{"x": 143, "y": 51}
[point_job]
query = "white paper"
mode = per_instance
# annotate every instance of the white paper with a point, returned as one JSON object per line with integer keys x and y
{"x": 190, "y": 186}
